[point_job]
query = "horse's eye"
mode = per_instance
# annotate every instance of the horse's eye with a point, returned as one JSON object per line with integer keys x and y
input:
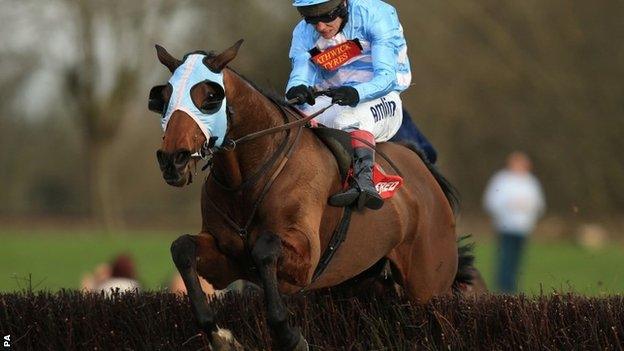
{"x": 211, "y": 106}
{"x": 212, "y": 97}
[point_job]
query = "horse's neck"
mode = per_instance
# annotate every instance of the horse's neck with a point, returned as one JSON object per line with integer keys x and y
{"x": 251, "y": 112}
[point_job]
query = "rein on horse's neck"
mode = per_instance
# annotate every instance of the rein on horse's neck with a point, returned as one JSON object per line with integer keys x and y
{"x": 251, "y": 111}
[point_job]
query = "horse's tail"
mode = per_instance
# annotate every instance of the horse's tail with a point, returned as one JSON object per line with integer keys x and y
{"x": 451, "y": 194}
{"x": 465, "y": 268}
{"x": 468, "y": 280}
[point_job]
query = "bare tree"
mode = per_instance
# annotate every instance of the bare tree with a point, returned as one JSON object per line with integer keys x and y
{"x": 110, "y": 37}
{"x": 493, "y": 76}
{"x": 489, "y": 76}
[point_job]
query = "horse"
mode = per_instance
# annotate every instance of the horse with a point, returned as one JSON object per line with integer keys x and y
{"x": 265, "y": 216}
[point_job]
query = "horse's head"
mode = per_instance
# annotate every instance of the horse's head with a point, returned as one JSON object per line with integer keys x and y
{"x": 193, "y": 109}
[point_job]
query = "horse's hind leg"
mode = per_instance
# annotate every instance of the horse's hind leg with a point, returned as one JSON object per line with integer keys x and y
{"x": 265, "y": 253}
{"x": 184, "y": 253}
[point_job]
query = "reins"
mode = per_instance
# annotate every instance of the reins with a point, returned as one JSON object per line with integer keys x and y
{"x": 339, "y": 234}
{"x": 302, "y": 122}
{"x": 251, "y": 180}
{"x": 243, "y": 231}
{"x": 305, "y": 120}
{"x": 299, "y": 122}
{"x": 231, "y": 144}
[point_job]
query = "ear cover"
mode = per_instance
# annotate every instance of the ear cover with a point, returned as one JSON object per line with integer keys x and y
{"x": 166, "y": 59}
{"x": 218, "y": 63}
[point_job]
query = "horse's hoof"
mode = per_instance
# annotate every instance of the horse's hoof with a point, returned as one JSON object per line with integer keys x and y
{"x": 302, "y": 345}
{"x": 223, "y": 340}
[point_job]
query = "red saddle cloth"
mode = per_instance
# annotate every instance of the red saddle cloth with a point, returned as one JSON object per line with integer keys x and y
{"x": 386, "y": 184}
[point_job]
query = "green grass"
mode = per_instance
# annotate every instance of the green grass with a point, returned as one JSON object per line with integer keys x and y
{"x": 56, "y": 260}
{"x": 561, "y": 267}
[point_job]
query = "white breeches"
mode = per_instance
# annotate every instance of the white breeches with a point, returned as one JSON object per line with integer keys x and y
{"x": 381, "y": 117}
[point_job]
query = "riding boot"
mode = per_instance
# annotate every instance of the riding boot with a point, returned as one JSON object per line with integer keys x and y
{"x": 362, "y": 191}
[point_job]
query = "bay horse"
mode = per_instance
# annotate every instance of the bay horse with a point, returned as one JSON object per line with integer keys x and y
{"x": 265, "y": 216}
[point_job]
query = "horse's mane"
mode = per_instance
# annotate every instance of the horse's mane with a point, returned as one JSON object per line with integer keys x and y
{"x": 450, "y": 192}
{"x": 272, "y": 95}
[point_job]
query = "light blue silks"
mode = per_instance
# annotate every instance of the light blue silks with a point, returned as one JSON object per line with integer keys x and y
{"x": 383, "y": 65}
{"x": 191, "y": 72}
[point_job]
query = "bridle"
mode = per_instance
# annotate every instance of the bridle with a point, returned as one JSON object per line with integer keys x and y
{"x": 208, "y": 149}
{"x": 285, "y": 150}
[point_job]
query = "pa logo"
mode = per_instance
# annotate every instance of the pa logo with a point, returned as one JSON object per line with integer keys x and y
{"x": 7, "y": 341}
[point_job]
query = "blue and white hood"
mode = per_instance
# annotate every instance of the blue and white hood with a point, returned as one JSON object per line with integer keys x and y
{"x": 190, "y": 73}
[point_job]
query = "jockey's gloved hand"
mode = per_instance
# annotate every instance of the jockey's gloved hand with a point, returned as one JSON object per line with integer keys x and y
{"x": 302, "y": 93}
{"x": 345, "y": 96}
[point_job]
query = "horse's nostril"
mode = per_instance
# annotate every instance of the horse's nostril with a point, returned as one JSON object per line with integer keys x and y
{"x": 173, "y": 165}
{"x": 163, "y": 159}
{"x": 182, "y": 158}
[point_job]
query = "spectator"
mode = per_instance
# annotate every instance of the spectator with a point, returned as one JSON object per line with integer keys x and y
{"x": 120, "y": 274}
{"x": 514, "y": 200}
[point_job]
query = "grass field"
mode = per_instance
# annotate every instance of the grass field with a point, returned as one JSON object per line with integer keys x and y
{"x": 54, "y": 260}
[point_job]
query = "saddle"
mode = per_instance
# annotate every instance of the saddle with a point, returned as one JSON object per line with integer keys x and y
{"x": 339, "y": 143}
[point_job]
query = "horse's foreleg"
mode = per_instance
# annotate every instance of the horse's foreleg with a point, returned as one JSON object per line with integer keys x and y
{"x": 184, "y": 252}
{"x": 266, "y": 252}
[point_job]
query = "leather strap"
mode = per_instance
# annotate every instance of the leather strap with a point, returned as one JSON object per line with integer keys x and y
{"x": 338, "y": 237}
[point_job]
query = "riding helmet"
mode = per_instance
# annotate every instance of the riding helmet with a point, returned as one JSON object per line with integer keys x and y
{"x": 313, "y": 8}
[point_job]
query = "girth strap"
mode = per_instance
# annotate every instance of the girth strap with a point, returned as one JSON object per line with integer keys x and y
{"x": 338, "y": 237}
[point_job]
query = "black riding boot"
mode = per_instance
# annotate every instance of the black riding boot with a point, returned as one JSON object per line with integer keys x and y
{"x": 362, "y": 191}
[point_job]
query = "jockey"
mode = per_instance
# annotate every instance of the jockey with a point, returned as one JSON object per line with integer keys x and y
{"x": 354, "y": 49}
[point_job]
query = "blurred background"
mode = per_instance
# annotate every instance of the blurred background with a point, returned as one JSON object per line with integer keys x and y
{"x": 79, "y": 181}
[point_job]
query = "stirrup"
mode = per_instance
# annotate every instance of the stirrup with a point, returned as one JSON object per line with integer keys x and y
{"x": 372, "y": 201}
{"x": 344, "y": 198}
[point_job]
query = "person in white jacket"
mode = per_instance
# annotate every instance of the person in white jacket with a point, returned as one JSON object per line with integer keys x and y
{"x": 514, "y": 200}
